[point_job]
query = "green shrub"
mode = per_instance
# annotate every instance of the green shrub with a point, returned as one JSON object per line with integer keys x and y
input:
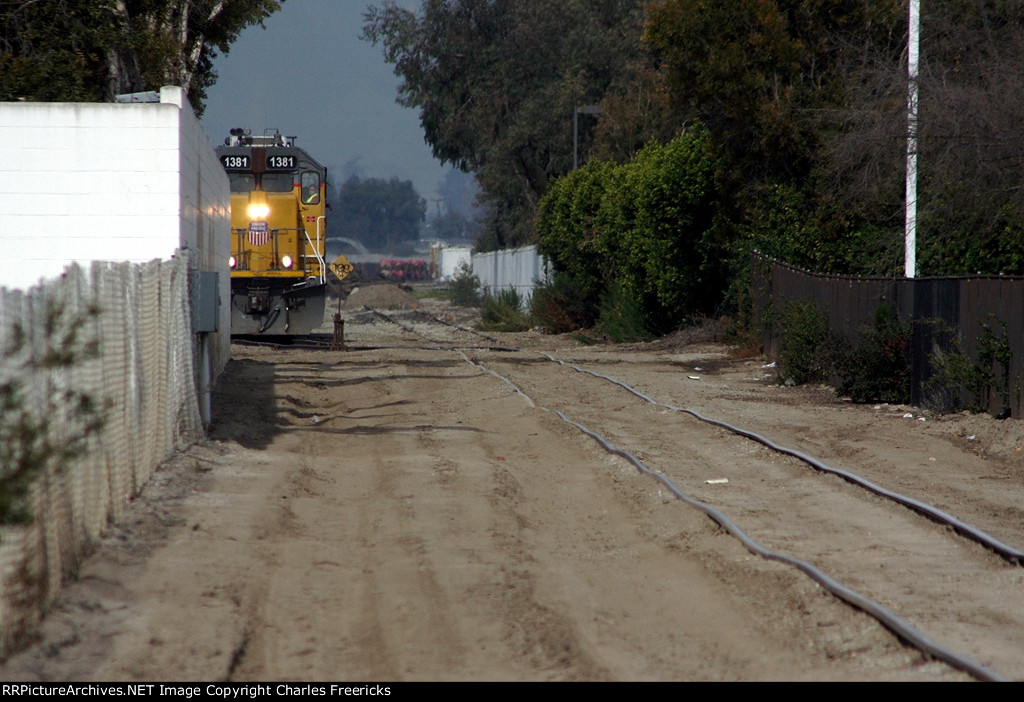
{"x": 664, "y": 209}
{"x": 955, "y": 372}
{"x": 570, "y": 234}
{"x": 622, "y": 316}
{"x": 560, "y": 305}
{"x": 878, "y": 368}
{"x": 646, "y": 226}
{"x": 504, "y": 312}
{"x": 465, "y": 287}
{"x": 808, "y": 347}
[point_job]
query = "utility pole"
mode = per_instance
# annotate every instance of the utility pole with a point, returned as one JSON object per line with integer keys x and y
{"x": 910, "y": 235}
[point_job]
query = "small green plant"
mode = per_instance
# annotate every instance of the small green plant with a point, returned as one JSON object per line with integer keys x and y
{"x": 808, "y": 348}
{"x": 994, "y": 355}
{"x": 560, "y": 305}
{"x": 878, "y": 369}
{"x": 432, "y": 294}
{"x": 955, "y": 372}
{"x": 38, "y": 437}
{"x": 504, "y": 312}
{"x": 623, "y": 318}
{"x": 465, "y": 287}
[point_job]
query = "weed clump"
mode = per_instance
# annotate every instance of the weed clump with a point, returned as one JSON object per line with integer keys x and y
{"x": 465, "y": 287}
{"x": 504, "y": 312}
{"x": 560, "y": 305}
{"x": 623, "y": 317}
{"x": 984, "y": 380}
{"x": 44, "y": 425}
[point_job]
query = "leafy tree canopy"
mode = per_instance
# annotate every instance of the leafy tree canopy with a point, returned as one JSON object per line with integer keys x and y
{"x": 452, "y": 225}
{"x": 757, "y": 72}
{"x": 92, "y": 50}
{"x": 497, "y": 81}
{"x": 644, "y": 229}
{"x": 806, "y": 102}
{"x": 379, "y": 213}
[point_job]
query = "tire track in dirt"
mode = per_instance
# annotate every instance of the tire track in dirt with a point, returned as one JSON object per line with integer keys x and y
{"x": 419, "y": 521}
{"x": 536, "y": 571}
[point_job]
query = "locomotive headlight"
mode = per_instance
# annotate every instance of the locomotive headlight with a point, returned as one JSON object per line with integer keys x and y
{"x": 231, "y": 262}
{"x": 286, "y": 261}
{"x": 259, "y": 210}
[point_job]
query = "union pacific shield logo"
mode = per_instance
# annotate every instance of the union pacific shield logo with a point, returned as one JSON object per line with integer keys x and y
{"x": 259, "y": 233}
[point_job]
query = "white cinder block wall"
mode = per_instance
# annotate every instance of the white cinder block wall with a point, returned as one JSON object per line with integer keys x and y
{"x": 82, "y": 182}
{"x": 205, "y": 213}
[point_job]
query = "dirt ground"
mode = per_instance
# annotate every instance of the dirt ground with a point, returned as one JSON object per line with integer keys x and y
{"x": 397, "y": 511}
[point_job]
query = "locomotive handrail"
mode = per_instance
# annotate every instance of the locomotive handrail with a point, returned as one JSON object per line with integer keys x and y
{"x": 242, "y": 261}
{"x": 322, "y": 277}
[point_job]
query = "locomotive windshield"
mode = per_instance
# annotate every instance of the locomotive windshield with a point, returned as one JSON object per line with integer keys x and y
{"x": 311, "y": 188}
{"x": 242, "y": 182}
{"x": 278, "y": 182}
{"x": 272, "y": 182}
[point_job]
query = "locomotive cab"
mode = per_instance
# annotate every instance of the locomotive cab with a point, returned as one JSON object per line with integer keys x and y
{"x": 278, "y": 283}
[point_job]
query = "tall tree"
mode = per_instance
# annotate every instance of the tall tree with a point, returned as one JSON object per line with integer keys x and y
{"x": 496, "y": 83}
{"x": 756, "y": 72}
{"x": 970, "y": 201}
{"x": 92, "y": 50}
{"x": 380, "y": 213}
{"x": 806, "y": 100}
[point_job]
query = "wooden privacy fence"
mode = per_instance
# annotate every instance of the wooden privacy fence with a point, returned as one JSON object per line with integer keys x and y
{"x": 946, "y": 315}
{"x": 129, "y": 328}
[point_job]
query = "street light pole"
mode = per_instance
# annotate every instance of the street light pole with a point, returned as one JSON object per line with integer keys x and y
{"x": 910, "y": 234}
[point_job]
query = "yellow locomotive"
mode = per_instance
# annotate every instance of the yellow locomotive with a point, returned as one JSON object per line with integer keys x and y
{"x": 278, "y": 274}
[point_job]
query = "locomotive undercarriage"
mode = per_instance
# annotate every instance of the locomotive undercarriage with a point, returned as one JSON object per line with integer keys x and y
{"x": 272, "y": 306}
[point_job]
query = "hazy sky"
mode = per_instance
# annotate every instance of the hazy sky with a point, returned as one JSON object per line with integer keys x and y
{"x": 309, "y": 75}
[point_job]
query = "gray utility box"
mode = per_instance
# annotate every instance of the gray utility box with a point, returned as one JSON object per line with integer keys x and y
{"x": 206, "y": 302}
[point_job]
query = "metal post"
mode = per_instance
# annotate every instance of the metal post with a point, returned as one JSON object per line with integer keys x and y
{"x": 580, "y": 110}
{"x": 338, "y": 342}
{"x": 576, "y": 138}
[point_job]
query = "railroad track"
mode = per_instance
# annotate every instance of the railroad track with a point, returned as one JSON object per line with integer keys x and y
{"x": 918, "y": 545}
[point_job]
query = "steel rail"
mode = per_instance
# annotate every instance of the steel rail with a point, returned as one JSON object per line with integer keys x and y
{"x": 972, "y": 533}
{"x": 889, "y": 619}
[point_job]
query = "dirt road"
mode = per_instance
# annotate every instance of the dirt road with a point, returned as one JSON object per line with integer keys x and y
{"x": 399, "y": 511}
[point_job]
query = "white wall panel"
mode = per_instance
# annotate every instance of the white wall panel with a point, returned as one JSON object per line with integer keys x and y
{"x": 516, "y": 268}
{"x": 126, "y": 177}
{"x": 82, "y": 182}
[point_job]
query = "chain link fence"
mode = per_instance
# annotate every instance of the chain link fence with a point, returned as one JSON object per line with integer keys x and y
{"x": 98, "y": 386}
